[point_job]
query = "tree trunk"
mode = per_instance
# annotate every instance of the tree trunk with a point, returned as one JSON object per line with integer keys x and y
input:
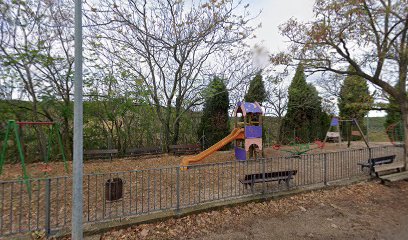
{"x": 176, "y": 132}
{"x": 176, "y": 126}
{"x": 167, "y": 129}
{"x": 67, "y": 137}
{"x": 404, "y": 113}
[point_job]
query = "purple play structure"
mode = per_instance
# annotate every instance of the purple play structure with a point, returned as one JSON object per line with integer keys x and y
{"x": 248, "y": 116}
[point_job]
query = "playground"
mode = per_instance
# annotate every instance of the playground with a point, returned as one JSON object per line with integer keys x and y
{"x": 13, "y": 171}
{"x": 246, "y": 138}
{"x": 208, "y": 119}
{"x": 134, "y": 186}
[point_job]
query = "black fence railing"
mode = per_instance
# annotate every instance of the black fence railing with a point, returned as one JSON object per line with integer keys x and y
{"x": 123, "y": 194}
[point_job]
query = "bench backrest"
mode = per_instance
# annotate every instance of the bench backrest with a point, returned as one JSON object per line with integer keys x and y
{"x": 278, "y": 174}
{"x": 185, "y": 146}
{"x": 382, "y": 160}
{"x": 144, "y": 150}
{"x": 101, "y": 151}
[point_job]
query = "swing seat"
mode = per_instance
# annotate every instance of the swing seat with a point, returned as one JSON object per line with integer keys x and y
{"x": 333, "y": 134}
{"x": 356, "y": 133}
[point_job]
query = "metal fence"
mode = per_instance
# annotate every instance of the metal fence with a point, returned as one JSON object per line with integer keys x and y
{"x": 48, "y": 205}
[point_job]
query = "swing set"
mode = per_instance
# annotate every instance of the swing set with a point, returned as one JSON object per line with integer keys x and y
{"x": 351, "y": 127}
{"x": 13, "y": 126}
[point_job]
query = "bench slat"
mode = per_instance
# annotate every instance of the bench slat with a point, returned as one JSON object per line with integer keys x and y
{"x": 144, "y": 151}
{"x": 386, "y": 167}
{"x": 395, "y": 177}
{"x": 269, "y": 176}
{"x": 101, "y": 151}
{"x": 249, "y": 181}
{"x": 185, "y": 146}
{"x": 382, "y": 160}
{"x": 185, "y": 149}
{"x": 372, "y": 162}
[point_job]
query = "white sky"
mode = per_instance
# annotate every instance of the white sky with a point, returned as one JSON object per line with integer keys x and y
{"x": 276, "y": 12}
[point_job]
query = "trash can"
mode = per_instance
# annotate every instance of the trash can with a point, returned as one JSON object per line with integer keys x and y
{"x": 114, "y": 189}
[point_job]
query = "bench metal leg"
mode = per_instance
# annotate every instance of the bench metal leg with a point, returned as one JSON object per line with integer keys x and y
{"x": 288, "y": 180}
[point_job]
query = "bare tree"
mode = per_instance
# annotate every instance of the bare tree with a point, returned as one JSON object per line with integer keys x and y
{"x": 276, "y": 105}
{"x": 36, "y": 43}
{"x": 169, "y": 44}
{"x": 277, "y": 102}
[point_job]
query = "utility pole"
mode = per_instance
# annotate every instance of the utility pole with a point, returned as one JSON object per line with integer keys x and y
{"x": 77, "y": 171}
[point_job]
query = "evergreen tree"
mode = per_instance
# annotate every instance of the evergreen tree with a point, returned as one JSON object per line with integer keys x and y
{"x": 355, "y": 100}
{"x": 394, "y": 117}
{"x": 214, "y": 122}
{"x": 393, "y": 113}
{"x": 304, "y": 117}
{"x": 256, "y": 91}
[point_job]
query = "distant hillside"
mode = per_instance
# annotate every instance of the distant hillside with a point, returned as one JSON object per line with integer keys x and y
{"x": 375, "y": 123}
{"x": 376, "y": 129}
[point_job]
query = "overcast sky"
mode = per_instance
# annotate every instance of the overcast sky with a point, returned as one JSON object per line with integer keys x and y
{"x": 275, "y": 13}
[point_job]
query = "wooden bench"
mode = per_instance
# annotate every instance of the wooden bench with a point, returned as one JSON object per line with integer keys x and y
{"x": 144, "y": 151}
{"x": 98, "y": 153}
{"x": 388, "y": 167}
{"x": 373, "y": 162}
{"x": 184, "y": 149}
{"x": 285, "y": 176}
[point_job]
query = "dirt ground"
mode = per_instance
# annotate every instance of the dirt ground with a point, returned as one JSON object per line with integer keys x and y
{"x": 14, "y": 171}
{"x": 366, "y": 210}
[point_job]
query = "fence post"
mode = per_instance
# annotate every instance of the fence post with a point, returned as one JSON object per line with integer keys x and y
{"x": 47, "y": 206}
{"x": 325, "y": 168}
{"x": 263, "y": 177}
{"x": 178, "y": 190}
{"x": 369, "y": 157}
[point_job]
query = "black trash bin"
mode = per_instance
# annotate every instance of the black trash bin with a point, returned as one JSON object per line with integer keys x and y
{"x": 114, "y": 189}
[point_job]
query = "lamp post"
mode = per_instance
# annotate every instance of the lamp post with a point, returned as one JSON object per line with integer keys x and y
{"x": 77, "y": 170}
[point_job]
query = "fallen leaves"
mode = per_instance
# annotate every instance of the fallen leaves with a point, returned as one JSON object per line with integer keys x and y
{"x": 216, "y": 221}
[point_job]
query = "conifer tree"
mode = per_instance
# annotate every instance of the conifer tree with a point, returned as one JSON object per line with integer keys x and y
{"x": 304, "y": 118}
{"x": 355, "y": 100}
{"x": 394, "y": 117}
{"x": 214, "y": 122}
{"x": 256, "y": 91}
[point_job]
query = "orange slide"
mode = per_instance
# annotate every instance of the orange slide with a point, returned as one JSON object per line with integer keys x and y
{"x": 237, "y": 133}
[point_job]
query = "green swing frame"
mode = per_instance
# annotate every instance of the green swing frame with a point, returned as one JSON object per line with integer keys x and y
{"x": 12, "y": 125}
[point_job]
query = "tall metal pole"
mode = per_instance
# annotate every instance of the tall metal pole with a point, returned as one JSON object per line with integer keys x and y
{"x": 77, "y": 172}
{"x": 368, "y": 128}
